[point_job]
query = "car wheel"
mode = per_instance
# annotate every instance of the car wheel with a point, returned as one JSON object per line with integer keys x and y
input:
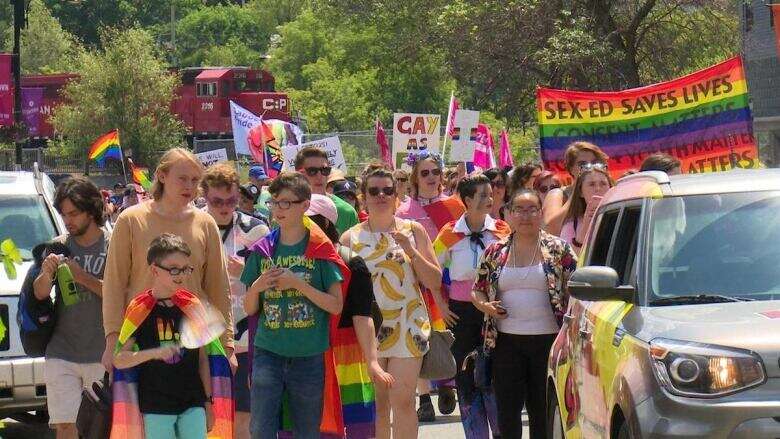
{"x": 554, "y": 421}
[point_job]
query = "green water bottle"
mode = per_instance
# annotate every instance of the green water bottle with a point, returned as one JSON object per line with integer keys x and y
{"x": 70, "y": 295}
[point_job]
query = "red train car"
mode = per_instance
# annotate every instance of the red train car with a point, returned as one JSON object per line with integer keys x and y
{"x": 202, "y": 102}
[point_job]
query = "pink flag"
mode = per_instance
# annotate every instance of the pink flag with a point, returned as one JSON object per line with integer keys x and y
{"x": 504, "y": 153}
{"x": 454, "y": 107}
{"x": 384, "y": 148}
{"x": 483, "y": 148}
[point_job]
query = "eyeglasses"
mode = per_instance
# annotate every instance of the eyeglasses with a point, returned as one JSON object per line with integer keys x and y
{"x": 545, "y": 189}
{"x": 523, "y": 211}
{"x": 426, "y": 172}
{"x": 402, "y": 180}
{"x": 175, "y": 271}
{"x": 588, "y": 166}
{"x": 498, "y": 184}
{"x": 221, "y": 202}
{"x": 374, "y": 191}
{"x": 312, "y": 171}
{"x": 284, "y": 204}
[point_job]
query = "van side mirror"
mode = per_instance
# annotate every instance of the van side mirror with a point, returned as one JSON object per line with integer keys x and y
{"x": 599, "y": 284}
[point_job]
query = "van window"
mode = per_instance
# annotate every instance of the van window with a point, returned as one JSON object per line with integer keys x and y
{"x": 603, "y": 237}
{"x": 624, "y": 252}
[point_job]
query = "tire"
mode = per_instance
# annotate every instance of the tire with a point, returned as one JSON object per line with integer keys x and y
{"x": 554, "y": 422}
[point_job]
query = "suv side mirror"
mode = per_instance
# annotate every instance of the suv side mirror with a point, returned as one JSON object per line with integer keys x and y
{"x": 599, "y": 284}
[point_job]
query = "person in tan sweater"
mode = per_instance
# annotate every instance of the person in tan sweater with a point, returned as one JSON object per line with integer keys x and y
{"x": 170, "y": 211}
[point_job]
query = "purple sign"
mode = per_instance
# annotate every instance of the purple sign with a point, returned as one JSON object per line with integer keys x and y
{"x": 31, "y": 108}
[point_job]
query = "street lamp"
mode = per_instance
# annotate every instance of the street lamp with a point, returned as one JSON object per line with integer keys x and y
{"x": 20, "y": 131}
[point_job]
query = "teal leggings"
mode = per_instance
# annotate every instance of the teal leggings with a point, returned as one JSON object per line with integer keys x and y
{"x": 191, "y": 424}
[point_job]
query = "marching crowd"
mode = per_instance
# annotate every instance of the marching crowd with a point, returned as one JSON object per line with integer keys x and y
{"x": 331, "y": 289}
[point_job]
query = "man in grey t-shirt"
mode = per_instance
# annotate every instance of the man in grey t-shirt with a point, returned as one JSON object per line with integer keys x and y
{"x": 75, "y": 349}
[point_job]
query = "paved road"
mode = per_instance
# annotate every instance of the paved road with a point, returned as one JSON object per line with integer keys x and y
{"x": 449, "y": 427}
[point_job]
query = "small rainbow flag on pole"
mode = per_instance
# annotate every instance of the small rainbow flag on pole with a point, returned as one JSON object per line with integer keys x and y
{"x": 140, "y": 175}
{"x": 106, "y": 147}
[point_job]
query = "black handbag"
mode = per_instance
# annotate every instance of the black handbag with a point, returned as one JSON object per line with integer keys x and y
{"x": 94, "y": 418}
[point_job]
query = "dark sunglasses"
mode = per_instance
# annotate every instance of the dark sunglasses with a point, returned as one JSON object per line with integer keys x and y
{"x": 587, "y": 166}
{"x": 426, "y": 172}
{"x": 498, "y": 183}
{"x": 402, "y": 180}
{"x": 375, "y": 190}
{"x": 545, "y": 189}
{"x": 175, "y": 271}
{"x": 284, "y": 204}
{"x": 221, "y": 202}
{"x": 311, "y": 172}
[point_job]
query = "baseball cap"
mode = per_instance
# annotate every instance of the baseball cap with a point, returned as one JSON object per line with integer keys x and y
{"x": 322, "y": 205}
{"x": 345, "y": 187}
{"x": 257, "y": 172}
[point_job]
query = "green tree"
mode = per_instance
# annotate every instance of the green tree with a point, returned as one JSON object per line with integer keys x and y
{"x": 125, "y": 85}
{"x": 46, "y": 47}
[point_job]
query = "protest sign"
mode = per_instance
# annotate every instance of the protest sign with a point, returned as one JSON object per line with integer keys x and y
{"x": 703, "y": 119}
{"x": 208, "y": 158}
{"x": 414, "y": 132}
{"x": 464, "y": 135}
{"x": 331, "y": 146}
{"x": 31, "y": 107}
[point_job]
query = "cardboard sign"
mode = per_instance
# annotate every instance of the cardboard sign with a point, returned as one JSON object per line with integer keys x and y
{"x": 464, "y": 135}
{"x": 331, "y": 146}
{"x": 413, "y": 133}
{"x": 208, "y": 158}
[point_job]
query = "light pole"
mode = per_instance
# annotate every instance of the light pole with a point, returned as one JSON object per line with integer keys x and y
{"x": 173, "y": 32}
{"x": 20, "y": 131}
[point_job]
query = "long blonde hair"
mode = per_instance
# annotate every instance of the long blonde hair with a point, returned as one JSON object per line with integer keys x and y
{"x": 167, "y": 161}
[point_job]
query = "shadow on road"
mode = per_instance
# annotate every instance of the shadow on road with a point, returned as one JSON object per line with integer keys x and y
{"x": 15, "y": 430}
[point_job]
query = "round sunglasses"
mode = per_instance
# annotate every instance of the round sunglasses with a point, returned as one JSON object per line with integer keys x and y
{"x": 426, "y": 172}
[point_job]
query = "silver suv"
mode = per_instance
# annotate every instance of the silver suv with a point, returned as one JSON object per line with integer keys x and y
{"x": 27, "y": 216}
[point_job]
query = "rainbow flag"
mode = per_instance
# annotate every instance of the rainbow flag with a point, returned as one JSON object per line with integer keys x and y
{"x": 106, "y": 147}
{"x": 127, "y": 420}
{"x": 703, "y": 119}
{"x": 140, "y": 176}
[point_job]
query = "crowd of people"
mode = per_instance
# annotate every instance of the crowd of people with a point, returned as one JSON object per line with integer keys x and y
{"x": 329, "y": 286}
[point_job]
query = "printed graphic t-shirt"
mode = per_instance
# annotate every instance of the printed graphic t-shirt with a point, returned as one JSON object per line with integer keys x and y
{"x": 173, "y": 386}
{"x": 289, "y": 324}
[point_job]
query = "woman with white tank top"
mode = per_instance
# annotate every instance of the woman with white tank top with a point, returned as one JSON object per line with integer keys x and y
{"x": 521, "y": 286}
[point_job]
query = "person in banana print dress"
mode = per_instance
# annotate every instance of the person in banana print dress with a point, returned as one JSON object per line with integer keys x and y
{"x": 400, "y": 257}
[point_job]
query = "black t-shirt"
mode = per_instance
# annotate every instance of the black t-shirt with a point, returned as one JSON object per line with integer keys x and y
{"x": 167, "y": 388}
{"x": 360, "y": 293}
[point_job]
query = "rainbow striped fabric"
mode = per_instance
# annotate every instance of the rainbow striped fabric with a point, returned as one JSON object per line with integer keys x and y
{"x": 703, "y": 119}
{"x": 347, "y": 382}
{"x": 141, "y": 176}
{"x": 127, "y": 420}
{"x": 106, "y": 147}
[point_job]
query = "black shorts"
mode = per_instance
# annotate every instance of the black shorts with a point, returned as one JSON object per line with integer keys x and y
{"x": 241, "y": 383}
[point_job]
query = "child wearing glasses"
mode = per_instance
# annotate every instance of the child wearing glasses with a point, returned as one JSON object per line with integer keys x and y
{"x": 293, "y": 284}
{"x": 173, "y": 383}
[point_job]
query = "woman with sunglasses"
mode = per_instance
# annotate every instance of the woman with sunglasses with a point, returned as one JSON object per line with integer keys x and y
{"x": 546, "y": 182}
{"x": 400, "y": 257}
{"x": 594, "y": 181}
{"x": 429, "y": 206}
{"x": 557, "y": 201}
{"x": 401, "y": 184}
{"x": 498, "y": 183}
{"x": 175, "y": 186}
{"x": 459, "y": 247}
{"x": 521, "y": 287}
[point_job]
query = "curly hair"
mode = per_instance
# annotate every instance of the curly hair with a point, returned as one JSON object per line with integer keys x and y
{"x": 84, "y": 194}
{"x": 220, "y": 175}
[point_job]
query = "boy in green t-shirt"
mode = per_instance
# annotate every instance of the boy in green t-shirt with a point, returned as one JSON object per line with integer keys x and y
{"x": 293, "y": 294}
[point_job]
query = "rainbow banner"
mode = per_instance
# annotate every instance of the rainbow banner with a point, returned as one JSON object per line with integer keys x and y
{"x": 106, "y": 147}
{"x": 140, "y": 175}
{"x": 703, "y": 119}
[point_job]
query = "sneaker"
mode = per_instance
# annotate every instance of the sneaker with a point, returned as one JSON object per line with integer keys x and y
{"x": 447, "y": 400}
{"x": 426, "y": 413}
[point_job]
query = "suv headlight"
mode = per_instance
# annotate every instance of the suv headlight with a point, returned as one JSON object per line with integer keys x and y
{"x": 700, "y": 370}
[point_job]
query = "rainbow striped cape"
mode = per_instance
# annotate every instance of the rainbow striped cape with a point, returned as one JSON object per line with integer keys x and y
{"x": 127, "y": 421}
{"x": 348, "y": 392}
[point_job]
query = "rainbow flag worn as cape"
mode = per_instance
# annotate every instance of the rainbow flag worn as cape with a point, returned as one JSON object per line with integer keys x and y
{"x": 447, "y": 239}
{"x": 127, "y": 420}
{"x": 106, "y": 147}
{"x": 348, "y": 409}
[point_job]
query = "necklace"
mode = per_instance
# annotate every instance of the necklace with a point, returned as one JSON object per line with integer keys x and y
{"x": 530, "y": 263}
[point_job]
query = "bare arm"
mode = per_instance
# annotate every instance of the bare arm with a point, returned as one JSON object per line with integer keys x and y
{"x": 424, "y": 262}
{"x": 554, "y": 211}
{"x": 127, "y": 358}
{"x": 116, "y": 279}
{"x": 215, "y": 281}
{"x": 83, "y": 278}
{"x": 43, "y": 283}
{"x": 330, "y": 301}
{"x": 364, "y": 329}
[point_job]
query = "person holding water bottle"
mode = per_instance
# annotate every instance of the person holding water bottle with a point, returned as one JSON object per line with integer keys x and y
{"x": 74, "y": 351}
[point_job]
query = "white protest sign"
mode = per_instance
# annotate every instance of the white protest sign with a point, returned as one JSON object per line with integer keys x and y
{"x": 463, "y": 136}
{"x": 414, "y": 132}
{"x": 331, "y": 146}
{"x": 208, "y": 158}
{"x": 242, "y": 120}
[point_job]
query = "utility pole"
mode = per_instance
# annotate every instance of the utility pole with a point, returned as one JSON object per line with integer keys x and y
{"x": 173, "y": 32}
{"x": 20, "y": 129}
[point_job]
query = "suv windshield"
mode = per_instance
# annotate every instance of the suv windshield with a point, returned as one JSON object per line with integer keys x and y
{"x": 24, "y": 219}
{"x": 716, "y": 244}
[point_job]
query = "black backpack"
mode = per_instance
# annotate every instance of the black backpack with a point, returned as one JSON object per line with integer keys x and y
{"x": 37, "y": 318}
